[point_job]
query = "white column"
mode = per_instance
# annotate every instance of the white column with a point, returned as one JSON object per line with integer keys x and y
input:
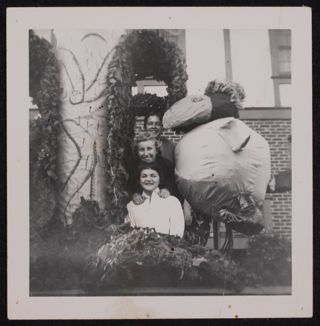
{"x": 84, "y": 58}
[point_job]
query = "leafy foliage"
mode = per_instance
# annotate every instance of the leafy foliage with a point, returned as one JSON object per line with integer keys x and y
{"x": 269, "y": 258}
{"x": 98, "y": 260}
{"x": 153, "y": 55}
{"x": 89, "y": 216}
{"x": 225, "y": 273}
{"x": 142, "y": 257}
{"x": 45, "y": 91}
{"x": 141, "y": 104}
{"x": 138, "y": 54}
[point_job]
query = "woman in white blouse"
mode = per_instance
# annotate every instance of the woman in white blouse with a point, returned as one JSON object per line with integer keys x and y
{"x": 165, "y": 215}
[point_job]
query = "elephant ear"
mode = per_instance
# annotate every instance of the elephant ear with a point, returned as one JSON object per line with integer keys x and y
{"x": 235, "y": 134}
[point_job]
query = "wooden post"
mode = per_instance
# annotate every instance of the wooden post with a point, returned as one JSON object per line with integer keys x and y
{"x": 215, "y": 227}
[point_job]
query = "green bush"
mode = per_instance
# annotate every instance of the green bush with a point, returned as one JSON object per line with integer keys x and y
{"x": 269, "y": 258}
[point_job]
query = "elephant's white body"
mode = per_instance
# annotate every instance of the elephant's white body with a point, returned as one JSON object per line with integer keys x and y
{"x": 218, "y": 161}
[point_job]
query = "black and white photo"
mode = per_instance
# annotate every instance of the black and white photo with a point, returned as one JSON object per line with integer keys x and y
{"x": 162, "y": 162}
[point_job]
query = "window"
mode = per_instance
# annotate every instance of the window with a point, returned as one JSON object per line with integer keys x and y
{"x": 280, "y": 45}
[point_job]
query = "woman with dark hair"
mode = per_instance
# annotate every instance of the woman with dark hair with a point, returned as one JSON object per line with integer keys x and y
{"x": 165, "y": 215}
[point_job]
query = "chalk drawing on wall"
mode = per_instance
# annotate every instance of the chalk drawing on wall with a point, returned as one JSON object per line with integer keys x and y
{"x": 84, "y": 58}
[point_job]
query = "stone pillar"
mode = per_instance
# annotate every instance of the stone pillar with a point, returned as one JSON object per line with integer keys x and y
{"x": 84, "y": 57}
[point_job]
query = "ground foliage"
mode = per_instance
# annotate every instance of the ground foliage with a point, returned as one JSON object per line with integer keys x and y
{"x": 89, "y": 216}
{"x": 98, "y": 257}
{"x": 60, "y": 255}
{"x": 142, "y": 257}
{"x": 269, "y": 257}
{"x": 139, "y": 54}
{"x": 45, "y": 91}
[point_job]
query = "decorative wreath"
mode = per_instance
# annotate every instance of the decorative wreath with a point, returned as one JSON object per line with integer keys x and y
{"x": 45, "y": 91}
{"x": 139, "y": 54}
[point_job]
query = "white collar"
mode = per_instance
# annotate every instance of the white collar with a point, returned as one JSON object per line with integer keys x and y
{"x": 157, "y": 190}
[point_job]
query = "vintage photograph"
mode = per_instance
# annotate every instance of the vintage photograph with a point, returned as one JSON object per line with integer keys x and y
{"x": 148, "y": 175}
{"x": 159, "y": 162}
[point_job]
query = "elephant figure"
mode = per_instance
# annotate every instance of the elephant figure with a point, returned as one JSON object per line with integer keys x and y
{"x": 222, "y": 165}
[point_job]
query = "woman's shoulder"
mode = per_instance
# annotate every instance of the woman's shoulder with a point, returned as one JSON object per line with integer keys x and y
{"x": 172, "y": 199}
{"x": 166, "y": 141}
{"x": 130, "y": 204}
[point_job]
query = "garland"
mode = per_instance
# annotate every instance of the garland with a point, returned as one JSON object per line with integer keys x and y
{"x": 45, "y": 91}
{"x": 141, "y": 104}
{"x": 139, "y": 54}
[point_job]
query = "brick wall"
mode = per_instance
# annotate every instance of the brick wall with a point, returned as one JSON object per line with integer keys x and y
{"x": 276, "y": 132}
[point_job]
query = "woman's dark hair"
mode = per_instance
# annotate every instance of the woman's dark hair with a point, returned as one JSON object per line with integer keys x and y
{"x": 150, "y": 114}
{"x": 153, "y": 166}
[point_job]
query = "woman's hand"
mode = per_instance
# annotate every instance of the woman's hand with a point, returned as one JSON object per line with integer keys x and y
{"x": 164, "y": 193}
{"x": 138, "y": 199}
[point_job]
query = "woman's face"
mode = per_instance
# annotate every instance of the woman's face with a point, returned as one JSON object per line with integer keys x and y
{"x": 149, "y": 180}
{"x": 154, "y": 124}
{"x": 147, "y": 151}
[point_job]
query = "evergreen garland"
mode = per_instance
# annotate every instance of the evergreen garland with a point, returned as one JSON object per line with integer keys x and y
{"x": 141, "y": 104}
{"x": 139, "y": 54}
{"x": 44, "y": 83}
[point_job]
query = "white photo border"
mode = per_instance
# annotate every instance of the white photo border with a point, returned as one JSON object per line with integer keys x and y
{"x": 20, "y": 304}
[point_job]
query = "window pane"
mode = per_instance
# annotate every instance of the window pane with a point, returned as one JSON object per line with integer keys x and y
{"x": 284, "y": 54}
{"x": 158, "y": 90}
{"x": 284, "y": 37}
{"x": 284, "y": 67}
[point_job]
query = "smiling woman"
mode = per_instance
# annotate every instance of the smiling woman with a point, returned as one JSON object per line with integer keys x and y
{"x": 165, "y": 215}
{"x": 149, "y": 180}
{"x": 147, "y": 150}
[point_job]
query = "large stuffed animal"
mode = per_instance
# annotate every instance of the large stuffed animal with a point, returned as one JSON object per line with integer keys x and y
{"x": 222, "y": 165}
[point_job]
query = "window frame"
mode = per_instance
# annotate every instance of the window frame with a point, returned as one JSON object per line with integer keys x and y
{"x": 275, "y": 46}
